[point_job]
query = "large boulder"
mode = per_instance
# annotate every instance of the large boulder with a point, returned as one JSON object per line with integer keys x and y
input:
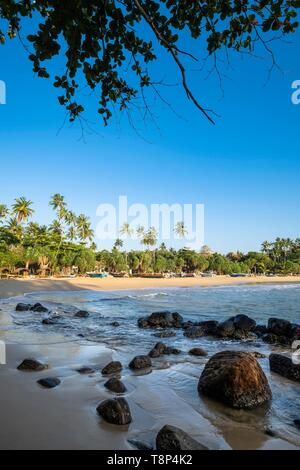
{"x": 284, "y": 366}
{"x": 32, "y": 365}
{"x": 113, "y": 367}
{"x": 140, "y": 362}
{"x": 236, "y": 379}
{"x": 115, "y": 411}
{"x": 161, "y": 320}
{"x": 171, "y": 438}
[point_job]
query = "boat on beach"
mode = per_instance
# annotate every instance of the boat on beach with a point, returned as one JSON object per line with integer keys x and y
{"x": 95, "y": 275}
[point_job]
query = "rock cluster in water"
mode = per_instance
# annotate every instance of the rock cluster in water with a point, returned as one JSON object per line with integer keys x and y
{"x": 161, "y": 320}
{"x": 239, "y": 327}
{"x": 38, "y": 308}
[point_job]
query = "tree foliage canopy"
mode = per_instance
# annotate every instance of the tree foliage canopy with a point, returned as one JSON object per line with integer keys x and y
{"x": 107, "y": 42}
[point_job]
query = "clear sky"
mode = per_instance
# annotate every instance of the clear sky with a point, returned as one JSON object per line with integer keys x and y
{"x": 245, "y": 169}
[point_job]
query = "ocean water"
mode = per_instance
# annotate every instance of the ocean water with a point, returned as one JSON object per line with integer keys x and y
{"x": 177, "y": 376}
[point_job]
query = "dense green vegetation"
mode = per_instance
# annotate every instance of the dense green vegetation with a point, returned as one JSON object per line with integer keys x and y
{"x": 40, "y": 249}
{"x": 281, "y": 257}
{"x": 66, "y": 246}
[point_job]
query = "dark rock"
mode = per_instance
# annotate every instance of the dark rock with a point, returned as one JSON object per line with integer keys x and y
{"x": 23, "y": 307}
{"x": 161, "y": 349}
{"x": 115, "y": 385}
{"x": 51, "y": 320}
{"x": 270, "y": 338}
{"x": 113, "y": 367}
{"x": 115, "y": 411}
{"x": 244, "y": 323}
{"x": 115, "y": 324}
{"x": 161, "y": 320}
{"x": 240, "y": 327}
{"x": 260, "y": 330}
{"x": 236, "y": 379}
{"x": 158, "y": 350}
{"x": 140, "y": 362}
{"x": 297, "y": 423}
{"x": 85, "y": 370}
{"x": 197, "y": 352}
{"x": 49, "y": 382}
{"x": 82, "y": 314}
{"x": 171, "y": 438}
{"x": 165, "y": 334}
{"x": 209, "y": 327}
{"x": 226, "y": 329}
{"x": 38, "y": 308}
{"x": 194, "y": 332}
{"x": 32, "y": 365}
{"x": 279, "y": 327}
{"x": 139, "y": 445}
{"x": 284, "y": 366}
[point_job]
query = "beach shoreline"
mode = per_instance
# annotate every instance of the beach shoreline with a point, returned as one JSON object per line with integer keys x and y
{"x": 18, "y": 287}
{"x": 66, "y": 418}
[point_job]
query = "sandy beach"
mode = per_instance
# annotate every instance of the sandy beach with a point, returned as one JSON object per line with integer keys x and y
{"x": 66, "y": 418}
{"x": 13, "y": 288}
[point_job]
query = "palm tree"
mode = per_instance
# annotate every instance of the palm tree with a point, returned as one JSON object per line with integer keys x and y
{"x": 58, "y": 203}
{"x": 118, "y": 243}
{"x": 85, "y": 232}
{"x": 22, "y": 210}
{"x": 72, "y": 233}
{"x": 126, "y": 231}
{"x": 180, "y": 229}
{"x": 14, "y": 227}
{"x": 148, "y": 238}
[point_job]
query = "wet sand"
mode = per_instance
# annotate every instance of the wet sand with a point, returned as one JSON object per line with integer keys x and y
{"x": 13, "y": 288}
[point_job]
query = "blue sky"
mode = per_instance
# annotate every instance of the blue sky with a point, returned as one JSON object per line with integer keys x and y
{"x": 245, "y": 170}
